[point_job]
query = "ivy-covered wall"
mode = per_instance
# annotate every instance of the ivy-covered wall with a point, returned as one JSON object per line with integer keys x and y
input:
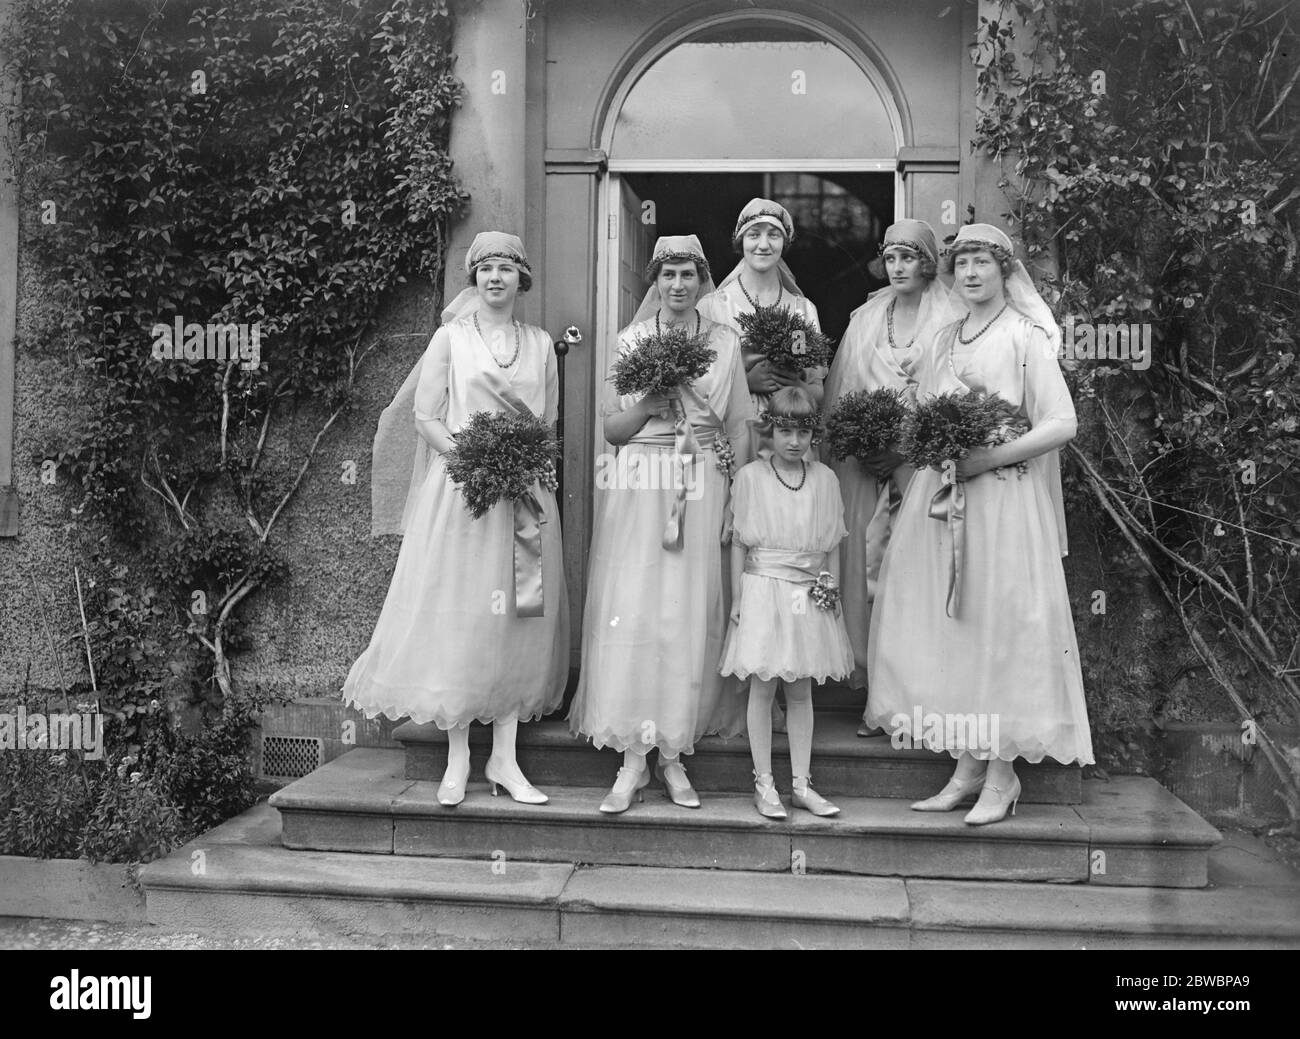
{"x": 278, "y": 165}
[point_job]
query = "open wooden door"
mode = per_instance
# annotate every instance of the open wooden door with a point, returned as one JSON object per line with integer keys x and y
{"x": 630, "y": 242}
{"x": 636, "y": 242}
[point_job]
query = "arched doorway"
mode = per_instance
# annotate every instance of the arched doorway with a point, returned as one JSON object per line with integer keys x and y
{"x": 743, "y": 105}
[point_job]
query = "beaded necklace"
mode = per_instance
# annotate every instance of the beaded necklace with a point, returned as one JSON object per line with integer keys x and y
{"x": 799, "y": 486}
{"x": 889, "y": 327}
{"x": 514, "y": 358}
{"x": 780, "y": 292}
{"x": 660, "y": 331}
{"x": 966, "y": 342}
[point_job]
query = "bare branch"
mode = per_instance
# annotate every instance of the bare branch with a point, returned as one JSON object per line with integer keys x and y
{"x": 225, "y": 408}
{"x": 1286, "y": 92}
{"x": 1291, "y": 794}
{"x": 1179, "y": 560}
{"x": 302, "y": 471}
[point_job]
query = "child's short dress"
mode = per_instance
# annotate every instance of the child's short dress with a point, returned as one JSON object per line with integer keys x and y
{"x": 782, "y": 633}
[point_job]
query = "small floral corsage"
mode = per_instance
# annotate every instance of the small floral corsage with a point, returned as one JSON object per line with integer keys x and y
{"x": 825, "y": 592}
{"x": 725, "y": 456}
{"x": 548, "y": 477}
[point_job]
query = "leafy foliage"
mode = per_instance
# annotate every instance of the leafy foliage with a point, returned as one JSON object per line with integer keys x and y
{"x": 866, "y": 422}
{"x": 662, "y": 361}
{"x": 945, "y": 427}
{"x": 784, "y": 337}
{"x": 128, "y": 807}
{"x": 1150, "y": 149}
{"x": 276, "y": 165}
{"x": 499, "y": 456}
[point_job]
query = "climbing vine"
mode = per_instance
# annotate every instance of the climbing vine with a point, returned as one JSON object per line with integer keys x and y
{"x": 1150, "y": 156}
{"x": 227, "y": 191}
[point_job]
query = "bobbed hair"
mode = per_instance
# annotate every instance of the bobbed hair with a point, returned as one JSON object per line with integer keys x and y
{"x": 1006, "y": 261}
{"x": 792, "y": 402}
{"x": 525, "y": 278}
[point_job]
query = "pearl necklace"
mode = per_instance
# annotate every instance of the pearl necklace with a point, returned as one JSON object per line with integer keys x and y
{"x": 966, "y": 342}
{"x": 889, "y": 327}
{"x": 780, "y": 292}
{"x": 799, "y": 486}
{"x": 514, "y": 358}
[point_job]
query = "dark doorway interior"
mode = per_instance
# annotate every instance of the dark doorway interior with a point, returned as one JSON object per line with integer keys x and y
{"x": 839, "y": 218}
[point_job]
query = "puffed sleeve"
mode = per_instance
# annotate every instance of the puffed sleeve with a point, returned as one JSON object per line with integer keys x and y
{"x": 552, "y": 409}
{"x": 744, "y": 522}
{"x": 435, "y": 371}
{"x": 1045, "y": 394}
{"x": 739, "y": 404}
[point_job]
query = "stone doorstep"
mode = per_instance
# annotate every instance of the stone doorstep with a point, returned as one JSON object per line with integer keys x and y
{"x": 254, "y": 885}
{"x": 1131, "y": 832}
{"x": 844, "y": 764}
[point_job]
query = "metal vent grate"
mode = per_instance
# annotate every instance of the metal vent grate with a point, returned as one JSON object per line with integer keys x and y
{"x": 291, "y": 757}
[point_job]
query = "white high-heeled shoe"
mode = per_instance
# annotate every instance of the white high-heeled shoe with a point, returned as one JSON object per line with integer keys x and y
{"x": 525, "y": 793}
{"x": 954, "y": 793}
{"x": 679, "y": 791}
{"x": 993, "y": 809}
{"x": 627, "y": 784}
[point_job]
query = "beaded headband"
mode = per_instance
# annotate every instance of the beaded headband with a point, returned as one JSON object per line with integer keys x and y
{"x": 904, "y": 243}
{"x": 749, "y": 218}
{"x": 653, "y": 268}
{"x": 949, "y": 255}
{"x": 501, "y": 255}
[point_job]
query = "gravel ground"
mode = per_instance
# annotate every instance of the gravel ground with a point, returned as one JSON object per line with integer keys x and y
{"x": 17, "y": 932}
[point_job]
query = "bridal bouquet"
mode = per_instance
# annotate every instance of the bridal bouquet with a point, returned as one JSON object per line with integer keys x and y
{"x": 785, "y": 338}
{"x": 662, "y": 361}
{"x": 866, "y": 422}
{"x": 946, "y": 427}
{"x": 498, "y": 456}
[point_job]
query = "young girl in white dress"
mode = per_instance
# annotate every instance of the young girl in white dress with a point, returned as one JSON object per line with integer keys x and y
{"x": 654, "y": 619}
{"x": 981, "y": 628}
{"x": 789, "y": 521}
{"x": 461, "y": 638}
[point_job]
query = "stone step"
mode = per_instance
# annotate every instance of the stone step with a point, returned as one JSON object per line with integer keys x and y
{"x": 843, "y": 763}
{"x": 250, "y": 884}
{"x": 1129, "y": 831}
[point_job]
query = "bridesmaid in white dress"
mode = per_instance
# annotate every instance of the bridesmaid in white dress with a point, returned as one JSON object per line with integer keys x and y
{"x": 880, "y": 350}
{"x": 763, "y": 232}
{"x": 654, "y": 621}
{"x": 465, "y": 633}
{"x": 1007, "y": 655}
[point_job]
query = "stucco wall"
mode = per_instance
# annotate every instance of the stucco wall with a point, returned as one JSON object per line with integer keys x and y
{"x": 306, "y": 632}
